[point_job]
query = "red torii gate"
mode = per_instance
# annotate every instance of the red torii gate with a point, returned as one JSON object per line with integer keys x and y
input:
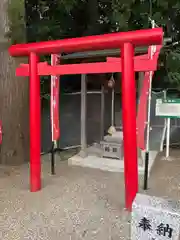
{"x": 126, "y": 41}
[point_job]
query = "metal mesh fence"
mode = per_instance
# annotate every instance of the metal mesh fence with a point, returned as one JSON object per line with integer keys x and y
{"x": 70, "y": 115}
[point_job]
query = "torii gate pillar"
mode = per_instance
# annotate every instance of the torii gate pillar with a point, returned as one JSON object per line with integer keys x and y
{"x": 35, "y": 123}
{"x": 129, "y": 123}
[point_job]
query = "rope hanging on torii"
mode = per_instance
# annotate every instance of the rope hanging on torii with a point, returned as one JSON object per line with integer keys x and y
{"x": 111, "y": 85}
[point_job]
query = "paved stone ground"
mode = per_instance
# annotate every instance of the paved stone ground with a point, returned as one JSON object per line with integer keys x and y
{"x": 75, "y": 204}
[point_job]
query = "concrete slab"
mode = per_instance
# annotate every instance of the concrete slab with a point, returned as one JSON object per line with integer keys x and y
{"x": 107, "y": 164}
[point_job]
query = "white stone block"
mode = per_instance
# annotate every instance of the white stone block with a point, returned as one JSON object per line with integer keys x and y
{"x": 155, "y": 219}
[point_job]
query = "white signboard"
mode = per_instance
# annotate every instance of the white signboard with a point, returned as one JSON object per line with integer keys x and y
{"x": 168, "y": 108}
{"x": 155, "y": 219}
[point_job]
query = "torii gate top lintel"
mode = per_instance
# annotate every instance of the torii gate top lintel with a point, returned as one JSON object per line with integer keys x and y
{"x": 143, "y": 37}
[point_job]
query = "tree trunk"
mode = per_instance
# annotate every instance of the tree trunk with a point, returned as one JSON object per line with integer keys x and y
{"x": 13, "y": 100}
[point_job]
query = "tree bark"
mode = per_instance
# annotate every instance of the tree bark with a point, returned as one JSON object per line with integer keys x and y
{"x": 13, "y": 101}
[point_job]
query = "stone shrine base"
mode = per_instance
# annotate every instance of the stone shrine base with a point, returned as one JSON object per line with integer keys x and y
{"x": 94, "y": 160}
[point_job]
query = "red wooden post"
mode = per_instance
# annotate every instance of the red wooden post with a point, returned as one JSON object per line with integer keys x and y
{"x": 129, "y": 124}
{"x": 35, "y": 123}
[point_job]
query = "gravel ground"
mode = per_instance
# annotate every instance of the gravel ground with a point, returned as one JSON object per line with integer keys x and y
{"x": 75, "y": 204}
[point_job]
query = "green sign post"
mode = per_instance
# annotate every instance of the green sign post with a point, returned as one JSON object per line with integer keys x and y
{"x": 168, "y": 108}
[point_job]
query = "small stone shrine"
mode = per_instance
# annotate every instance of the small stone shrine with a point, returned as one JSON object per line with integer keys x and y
{"x": 155, "y": 219}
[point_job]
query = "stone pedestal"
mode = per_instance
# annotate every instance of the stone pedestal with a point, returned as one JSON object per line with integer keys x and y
{"x": 155, "y": 219}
